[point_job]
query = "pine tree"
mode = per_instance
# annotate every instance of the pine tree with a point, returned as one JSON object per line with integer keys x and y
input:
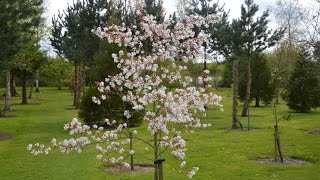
{"x": 261, "y": 89}
{"x": 19, "y": 20}
{"x": 253, "y": 36}
{"x": 72, "y": 37}
{"x": 155, "y": 8}
{"x": 303, "y": 91}
{"x": 218, "y": 31}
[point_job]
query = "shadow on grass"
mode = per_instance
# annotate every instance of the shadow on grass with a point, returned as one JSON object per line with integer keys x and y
{"x": 29, "y": 103}
{"x": 70, "y": 108}
{"x": 9, "y": 116}
{"x": 5, "y": 136}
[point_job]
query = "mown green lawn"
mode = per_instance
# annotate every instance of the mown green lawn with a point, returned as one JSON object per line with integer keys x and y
{"x": 219, "y": 153}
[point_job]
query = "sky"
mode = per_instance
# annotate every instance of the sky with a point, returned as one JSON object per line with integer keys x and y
{"x": 170, "y": 6}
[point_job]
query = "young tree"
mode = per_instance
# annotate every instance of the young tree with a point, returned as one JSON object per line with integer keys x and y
{"x": 172, "y": 110}
{"x": 26, "y": 64}
{"x": 253, "y": 36}
{"x": 303, "y": 91}
{"x": 280, "y": 63}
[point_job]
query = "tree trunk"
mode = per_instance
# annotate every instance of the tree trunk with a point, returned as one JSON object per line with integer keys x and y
{"x": 31, "y": 89}
{"x": 257, "y": 100}
{"x": 76, "y": 95}
{"x": 7, "y": 107}
{"x": 247, "y": 99}
{"x": 37, "y": 82}
{"x": 205, "y": 65}
{"x": 235, "y": 76}
{"x": 24, "y": 89}
{"x": 155, "y": 139}
{"x": 205, "y": 84}
{"x": 83, "y": 78}
{"x": 277, "y": 94}
{"x": 75, "y": 84}
{"x": 13, "y": 89}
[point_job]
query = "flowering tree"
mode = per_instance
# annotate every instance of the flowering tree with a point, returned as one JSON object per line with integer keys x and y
{"x": 144, "y": 81}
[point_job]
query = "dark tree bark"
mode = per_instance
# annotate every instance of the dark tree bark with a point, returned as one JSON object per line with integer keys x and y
{"x": 13, "y": 89}
{"x": 76, "y": 88}
{"x": 277, "y": 94}
{"x": 257, "y": 99}
{"x": 7, "y": 107}
{"x": 31, "y": 89}
{"x": 235, "y": 75}
{"x": 249, "y": 82}
{"x": 37, "y": 82}
{"x": 24, "y": 88}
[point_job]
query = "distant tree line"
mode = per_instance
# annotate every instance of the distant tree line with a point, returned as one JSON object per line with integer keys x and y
{"x": 252, "y": 70}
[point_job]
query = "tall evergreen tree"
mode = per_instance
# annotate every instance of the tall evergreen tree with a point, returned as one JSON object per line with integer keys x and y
{"x": 262, "y": 88}
{"x": 72, "y": 37}
{"x": 92, "y": 113}
{"x": 303, "y": 91}
{"x": 155, "y": 8}
{"x": 218, "y": 31}
{"x": 18, "y": 22}
{"x": 253, "y": 36}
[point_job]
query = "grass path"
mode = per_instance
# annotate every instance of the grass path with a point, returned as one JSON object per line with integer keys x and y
{"x": 219, "y": 153}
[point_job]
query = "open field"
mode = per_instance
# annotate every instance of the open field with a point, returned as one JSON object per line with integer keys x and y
{"x": 217, "y": 151}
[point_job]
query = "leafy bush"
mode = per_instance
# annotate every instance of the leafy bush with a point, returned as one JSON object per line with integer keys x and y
{"x": 112, "y": 109}
{"x": 57, "y": 72}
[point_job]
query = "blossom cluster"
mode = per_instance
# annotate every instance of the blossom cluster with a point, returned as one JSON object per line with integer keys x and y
{"x": 107, "y": 142}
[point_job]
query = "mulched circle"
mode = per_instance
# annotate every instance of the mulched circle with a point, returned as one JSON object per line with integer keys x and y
{"x": 314, "y": 132}
{"x": 138, "y": 169}
{"x": 5, "y": 136}
{"x": 286, "y": 162}
{"x": 239, "y": 129}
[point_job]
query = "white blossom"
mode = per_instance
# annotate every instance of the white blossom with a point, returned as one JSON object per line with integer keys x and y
{"x": 143, "y": 80}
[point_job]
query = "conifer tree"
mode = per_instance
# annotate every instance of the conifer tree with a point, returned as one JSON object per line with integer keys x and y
{"x": 262, "y": 88}
{"x": 303, "y": 91}
{"x": 253, "y": 36}
{"x": 19, "y": 20}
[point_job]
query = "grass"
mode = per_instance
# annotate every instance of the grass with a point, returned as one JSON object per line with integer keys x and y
{"x": 219, "y": 153}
